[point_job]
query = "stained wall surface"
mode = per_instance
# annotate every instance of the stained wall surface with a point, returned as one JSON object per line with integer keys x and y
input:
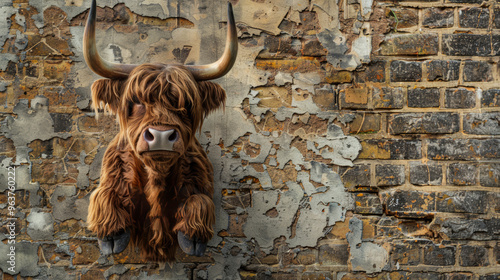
{"x": 360, "y": 139}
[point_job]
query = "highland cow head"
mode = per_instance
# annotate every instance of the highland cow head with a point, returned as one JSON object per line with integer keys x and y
{"x": 159, "y": 106}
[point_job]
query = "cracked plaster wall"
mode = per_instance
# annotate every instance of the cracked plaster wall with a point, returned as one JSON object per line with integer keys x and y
{"x": 292, "y": 199}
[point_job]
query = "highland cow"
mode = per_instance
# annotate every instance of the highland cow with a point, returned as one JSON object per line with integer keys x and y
{"x": 156, "y": 182}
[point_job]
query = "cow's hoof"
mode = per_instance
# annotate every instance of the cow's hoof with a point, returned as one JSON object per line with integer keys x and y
{"x": 193, "y": 247}
{"x": 115, "y": 243}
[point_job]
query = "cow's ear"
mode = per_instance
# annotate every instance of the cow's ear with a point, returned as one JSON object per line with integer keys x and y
{"x": 106, "y": 94}
{"x": 213, "y": 96}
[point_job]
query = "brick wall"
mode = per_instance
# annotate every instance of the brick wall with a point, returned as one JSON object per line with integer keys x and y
{"x": 360, "y": 139}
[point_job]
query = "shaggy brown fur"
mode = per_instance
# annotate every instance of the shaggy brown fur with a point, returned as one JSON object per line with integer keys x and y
{"x": 155, "y": 194}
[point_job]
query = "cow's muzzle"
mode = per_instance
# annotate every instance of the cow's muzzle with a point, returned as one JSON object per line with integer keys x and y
{"x": 160, "y": 140}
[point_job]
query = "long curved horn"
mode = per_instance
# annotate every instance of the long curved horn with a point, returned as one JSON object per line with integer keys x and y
{"x": 94, "y": 61}
{"x": 223, "y": 65}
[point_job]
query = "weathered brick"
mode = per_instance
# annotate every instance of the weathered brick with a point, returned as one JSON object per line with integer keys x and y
{"x": 489, "y": 175}
{"x": 475, "y": 202}
{"x": 497, "y": 253}
{"x": 389, "y": 226}
{"x": 408, "y": 253}
{"x": 411, "y": 44}
{"x": 356, "y": 176}
{"x": 416, "y": 275}
{"x": 474, "y": 17}
{"x": 365, "y": 123}
{"x": 7, "y": 147}
{"x": 459, "y": 98}
{"x": 463, "y": 149}
{"x": 465, "y": 228}
{"x": 283, "y": 276}
{"x": 461, "y": 174}
{"x": 388, "y": 98}
{"x": 391, "y": 149}
{"x": 402, "y": 17}
{"x": 326, "y": 98}
{"x": 389, "y": 175}
{"x": 301, "y": 64}
{"x": 439, "y": 255}
{"x": 59, "y": 96}
{"x": 482, "y": 123}
{"x": 495, "y": 44}
{"x": 235, "y": 225}
{"x": 423, "y": 97}
{"x": 374, "y": 72}
{"x": 438, "y": 17}
{"x": 93, "y": 274}
{"x": 496, "y": 18}
{"x": 368, "y": 203}
{"x": 311, "y": 46}
{"x": 442, "y": 70}
{"x": 277, "y": 47}
{"x": 354, "y": 97}
{"x": 317, "y": 275}
{"x": 56, "y": 69}
{"x": 88, "y": 123}
{"x": 473, "y": 256}
{"x": 459, "y": 276}
{"x": 409, "y": 203}
{"x": 477, "y": 71}
{"x": 306, "y": 257}
{"x": 491, "y": 98}
{"x": 426, "y": 174}
{"x": 493, "y": 276}
{"x": 62, "y": 122}
{"x": 232, "y": 200}
{"x": 466, "y": 44}
{"x": 86, "y": 254}
{"x": 406, "y": 71}
{"x": 333, "y": 254}
{"x": 419, "y": 123}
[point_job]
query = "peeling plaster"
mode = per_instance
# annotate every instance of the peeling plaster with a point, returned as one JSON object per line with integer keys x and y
{"x": 67, "y": 206}
{"x": 26, "y": 257}
{"x": 35, "y": 119}
{"x": 41, "y": 225}
{"x": 364, "y": 256}
{"x": 266, "y": 15}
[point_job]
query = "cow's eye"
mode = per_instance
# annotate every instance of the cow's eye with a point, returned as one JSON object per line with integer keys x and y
{"x": 137, "y": 109}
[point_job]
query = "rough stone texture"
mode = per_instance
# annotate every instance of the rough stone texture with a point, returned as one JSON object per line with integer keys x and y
{"x": 389, "y": 175}
{"x": 406, "y": 71}
{"x": 473, "y": 256}
{"x": 442, "y": 70}
{"x": 491, "y": 98}
{"x": 426, "y": 174}
{"x": 438, "y": 18}
{"x": 489, "y": 175}
{"x": 423, "y": 97}
{"x": 439, "y": 255}
{"x": 466, "y": 44}
{"x": 474, "y": 17}
{"x": 388, "y": 98}
{"x": 461, "y": 174}
{"x": 410, "y": 45}
{"x": 459, "y": 98}
{"x": 477, "y": 71}
{"x": 483, "y": 124}
{"x": 435, "y": 123}
{"x": 462, "y": 202}
{"x": 358, "y": 141}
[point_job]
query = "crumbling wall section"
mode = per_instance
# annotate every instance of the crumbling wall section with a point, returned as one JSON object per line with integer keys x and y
{"x": 360, "y": 139}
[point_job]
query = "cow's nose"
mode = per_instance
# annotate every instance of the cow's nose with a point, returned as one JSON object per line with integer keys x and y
{"x": 160, "y": 140}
